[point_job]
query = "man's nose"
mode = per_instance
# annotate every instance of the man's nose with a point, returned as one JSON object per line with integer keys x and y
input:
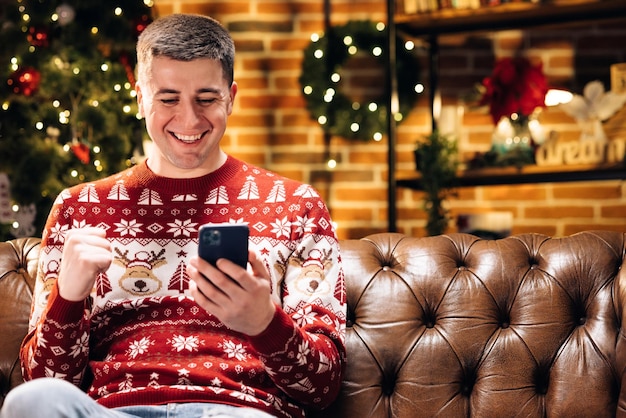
{"x": 189, "y": 113}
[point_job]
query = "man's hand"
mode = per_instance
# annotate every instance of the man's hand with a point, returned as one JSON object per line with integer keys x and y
{"x": 240, "y": 299}
{"x": 86, "y": 252}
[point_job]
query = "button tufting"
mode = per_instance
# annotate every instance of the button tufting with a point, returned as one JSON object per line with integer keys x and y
{"x": 386, "y": 268}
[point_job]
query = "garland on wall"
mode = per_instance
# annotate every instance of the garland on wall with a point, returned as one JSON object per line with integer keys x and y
{"x": 336, "y": 113}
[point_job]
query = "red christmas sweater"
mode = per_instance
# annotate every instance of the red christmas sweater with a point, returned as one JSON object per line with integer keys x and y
{"x": 141, "y": 338}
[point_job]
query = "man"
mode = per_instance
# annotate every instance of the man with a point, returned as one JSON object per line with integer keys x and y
{"x": 125, "y": 309}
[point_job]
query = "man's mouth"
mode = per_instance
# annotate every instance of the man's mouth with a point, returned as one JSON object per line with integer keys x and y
{"x": 187, "y": 139}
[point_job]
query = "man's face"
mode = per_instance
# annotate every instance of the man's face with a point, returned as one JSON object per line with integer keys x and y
{"x": 186, "y": 105}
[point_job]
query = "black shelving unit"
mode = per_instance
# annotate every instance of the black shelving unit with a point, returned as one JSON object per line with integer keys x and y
{"x": 507, "y": 16}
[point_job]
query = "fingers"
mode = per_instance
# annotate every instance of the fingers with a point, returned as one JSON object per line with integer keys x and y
{"x": 241, "y": 300}
{"x": 258, "y": 268}
{"x": 86, "y": 253}
{"x": 209, "y": 278}
{"x": 89, "y": 246}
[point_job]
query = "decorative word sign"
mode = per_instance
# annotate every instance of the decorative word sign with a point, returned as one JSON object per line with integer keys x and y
{"x": 580, "y": 152}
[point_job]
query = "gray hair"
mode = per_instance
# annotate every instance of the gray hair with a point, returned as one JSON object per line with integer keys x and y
{"x": 185, "y": 37}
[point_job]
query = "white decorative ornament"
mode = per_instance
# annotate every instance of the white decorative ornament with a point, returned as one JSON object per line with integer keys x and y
{"x": 6, "y": 214}
{"x": 24, "y": 225}
{"x": 595, "y": 106}
{"x": 65, "y": 13}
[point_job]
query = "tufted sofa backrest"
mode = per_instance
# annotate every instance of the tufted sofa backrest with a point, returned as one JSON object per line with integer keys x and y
{"x": 453, "y": 326}
{"x": 448, "y": 326}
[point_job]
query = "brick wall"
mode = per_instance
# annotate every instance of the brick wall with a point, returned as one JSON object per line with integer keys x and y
{"x": 271, "y": 127}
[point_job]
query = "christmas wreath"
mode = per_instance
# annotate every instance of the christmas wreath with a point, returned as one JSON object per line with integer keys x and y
{"x": 336, "y": 113}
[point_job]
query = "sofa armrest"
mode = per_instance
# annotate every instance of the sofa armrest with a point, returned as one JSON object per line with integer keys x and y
{"x": 18, "y": 271}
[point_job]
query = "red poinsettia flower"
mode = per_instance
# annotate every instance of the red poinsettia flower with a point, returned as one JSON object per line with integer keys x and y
{"x": 515, "y": 86}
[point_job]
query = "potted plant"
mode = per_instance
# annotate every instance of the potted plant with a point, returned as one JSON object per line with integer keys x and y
{"x": 436, "y": 158}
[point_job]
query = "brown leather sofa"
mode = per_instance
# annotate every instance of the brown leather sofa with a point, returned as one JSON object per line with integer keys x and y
{"x": 449, "y": 326}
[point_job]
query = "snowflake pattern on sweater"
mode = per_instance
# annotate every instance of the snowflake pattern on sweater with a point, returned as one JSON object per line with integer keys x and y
{"x": 141, "y": 339}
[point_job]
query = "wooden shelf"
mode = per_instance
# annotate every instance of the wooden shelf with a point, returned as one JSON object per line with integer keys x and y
{"x": 525, "y": 175}
{"x": 519, "y": 15}
{"x": 509, "y": 16}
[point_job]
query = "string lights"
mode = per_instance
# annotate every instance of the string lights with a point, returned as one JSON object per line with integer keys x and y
{"x": 69, "y": 111}
{"x": 332, "y": 108}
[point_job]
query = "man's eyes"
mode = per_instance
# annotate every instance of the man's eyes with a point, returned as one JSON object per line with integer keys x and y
{"x": 201, "y": 100}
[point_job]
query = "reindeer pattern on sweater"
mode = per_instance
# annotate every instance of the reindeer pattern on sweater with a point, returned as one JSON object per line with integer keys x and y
{"x": 141, "y": 339}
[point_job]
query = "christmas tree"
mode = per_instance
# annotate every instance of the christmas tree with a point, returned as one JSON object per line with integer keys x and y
{"x": 68, "y": 112}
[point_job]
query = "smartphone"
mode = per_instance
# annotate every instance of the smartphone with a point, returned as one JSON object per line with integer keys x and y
{"x": 224, "y": 240}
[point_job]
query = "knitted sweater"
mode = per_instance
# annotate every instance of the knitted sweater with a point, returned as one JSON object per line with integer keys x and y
{"x": 141, "y": 339}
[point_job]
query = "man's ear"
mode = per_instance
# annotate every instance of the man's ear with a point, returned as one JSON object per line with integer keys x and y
{"x": 233, "y": 93}
{"x": 139, "y": 99}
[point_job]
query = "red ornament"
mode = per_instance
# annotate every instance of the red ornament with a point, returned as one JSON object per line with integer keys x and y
{"x": 130, "y": 74}
{"x": 38, "y": 36}
{"x": 515, "y": 86}
{"x": 24, "y": 81}
{"x": 140, "y": 24}
{"x": 81, "y": 151}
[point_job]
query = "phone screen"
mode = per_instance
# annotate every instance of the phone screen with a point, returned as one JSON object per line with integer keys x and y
{"x": 228, "y": 241}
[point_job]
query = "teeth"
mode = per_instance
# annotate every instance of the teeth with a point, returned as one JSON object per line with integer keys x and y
{"x": 188, "y": 138}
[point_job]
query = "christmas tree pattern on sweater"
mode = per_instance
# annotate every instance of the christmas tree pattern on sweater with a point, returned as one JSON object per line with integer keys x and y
{"x": 143, "y": 338}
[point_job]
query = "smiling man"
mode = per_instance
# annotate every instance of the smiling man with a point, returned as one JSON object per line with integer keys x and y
{"x": 126, "y": 311}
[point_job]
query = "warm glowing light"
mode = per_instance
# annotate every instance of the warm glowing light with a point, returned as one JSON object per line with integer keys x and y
{"x": 556, "y": 97}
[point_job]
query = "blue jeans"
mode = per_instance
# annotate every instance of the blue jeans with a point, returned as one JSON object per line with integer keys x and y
{"x": 56, "y": 398}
